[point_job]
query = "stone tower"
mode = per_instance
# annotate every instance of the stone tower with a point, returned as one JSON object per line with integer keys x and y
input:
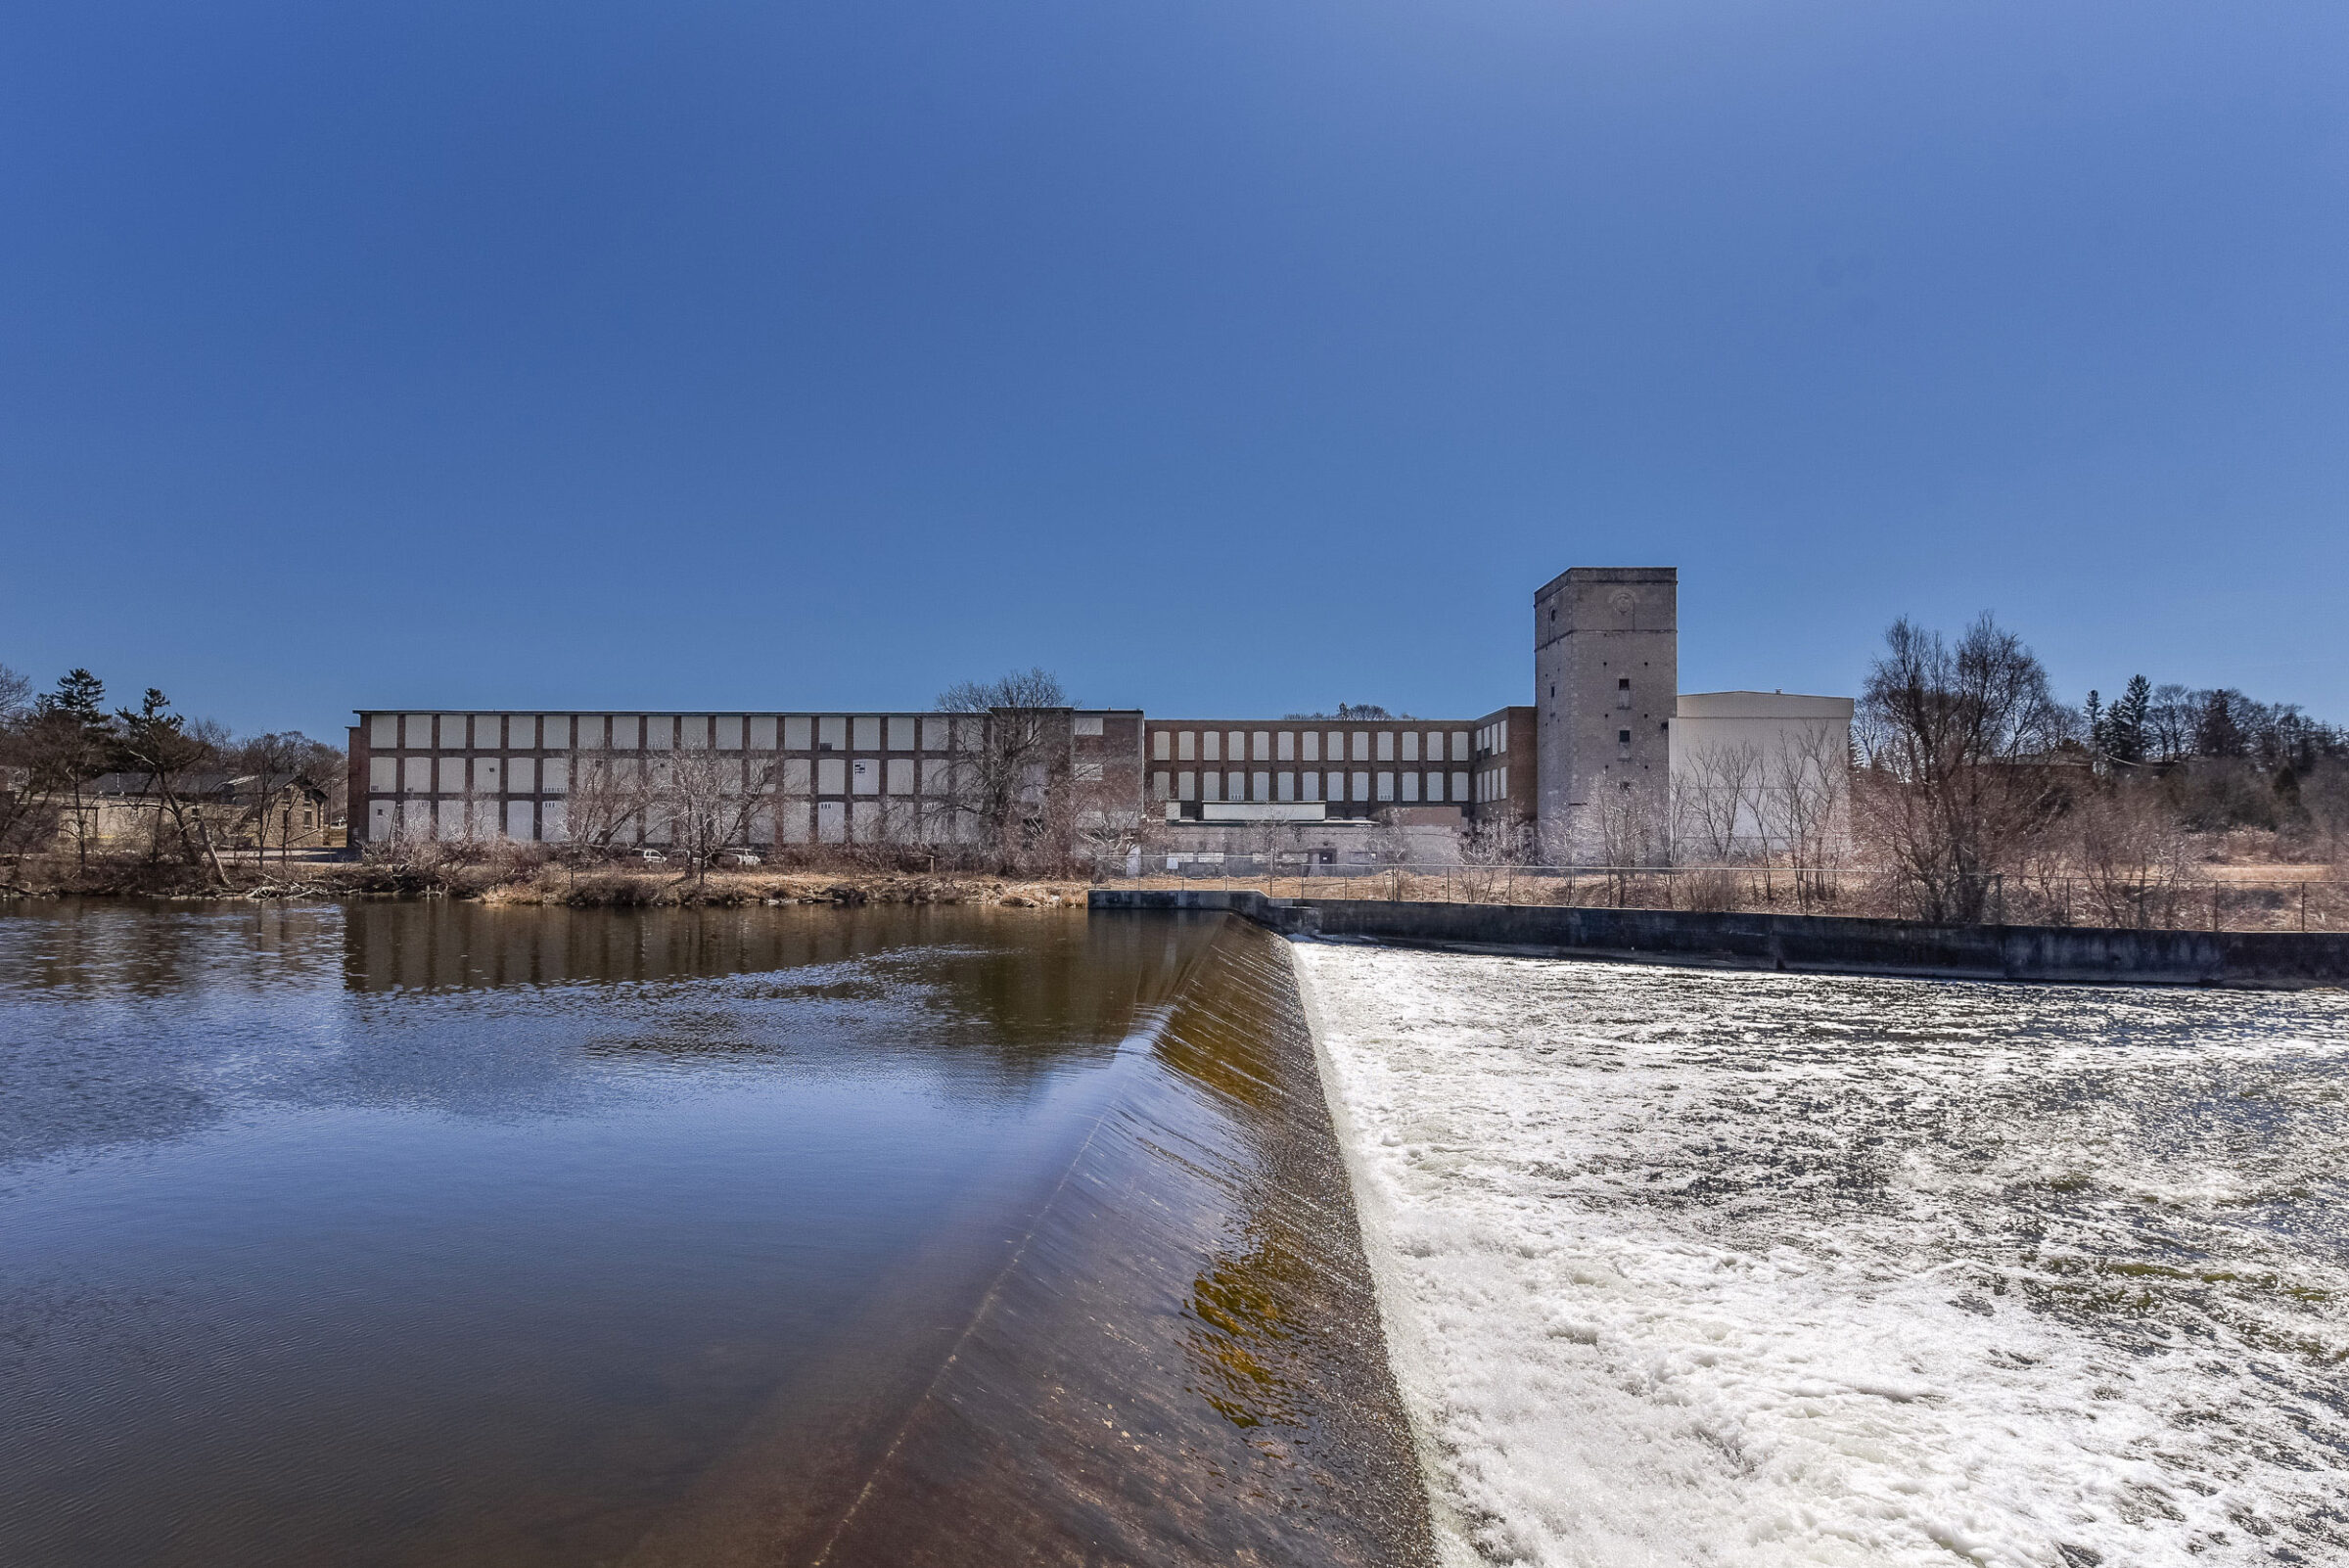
{"x": 1606, "y": 683}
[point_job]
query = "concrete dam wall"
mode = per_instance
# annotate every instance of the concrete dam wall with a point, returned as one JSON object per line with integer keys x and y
{"x": 1820, "y": 943}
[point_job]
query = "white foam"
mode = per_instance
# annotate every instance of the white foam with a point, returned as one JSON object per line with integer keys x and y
{"x": 1692, "y": 1267}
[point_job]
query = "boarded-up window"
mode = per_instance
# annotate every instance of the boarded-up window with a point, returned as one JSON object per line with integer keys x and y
{"x": 1261, "y": 787}
{"x": 1459, "y": 745}
{"x": 901, "y": 775}
{"x": 832, "y": 821}
{"x": 1410, "y": 786}
{"x": 1186, "y": 786}
{"x": 901, "y": 733}
{"x": 521, "y": 775}
{"x": 1410, "y": 746}
{"x": 452, "y": 732}
{"x": 1087, "y": 772}
{"x": 1285, "y": 787}
{"x": 1386, "y": 746}
{"x": 383, "y": 774}
{"x": 796, "y": 776}
{"x": 488, "y": 777}
{"x": 938, "y": 775}
{"x": 1312, "y": 786}
{"x": 1337, "y": 746}
{"x": 1286, "y": 745}
{"x": 1235, "y": 785}
{"x": 831, "y": 775}
{"x": 660, "y": 732}
{"x": 627, "y": 733}
{"x": 1214, "y": 743}
{"x": 1159, "y": 748}
{"x": 1188, "y": 748}
{"x": 554, "y": 731}
{"x": 453, "y": 775}
{"x": 869, "y": 732}
{"x": 1260, "y": 746}
{"x": 1386, "y": 786}
{"x": 864, "y": 776}
{"x": 798, "y": 733}
{"x": 1337, "y": 788}
{"x": 452, "y": 820}
{"x": 1087, "y": 724}
{"x": 521, "y": 821}
{"x": 792, "y": 822}
{"x": 935, "y": 733}
{"x": 1362, "y": 746}
{"x": 763, "y": 732}
{"x": 1362, "y": 785}
{"x": 693, "y": 732}
{"x": 832, "y": 733}
{"x": 1213, "y": 784}
{"x": 383, "y": 731}
{"x": 558, "y": 775}
{"x": 729, "y": 732}
{"x": 418, "y": 731}
{"x": 1313, "y": 745}
{"x": 1162, "y": 785}
{"x": 970, "y": 735}
{"x": 1239, "y": 747}
{"x": 1435, "y": 786}
{"x": 1460, "y": 783}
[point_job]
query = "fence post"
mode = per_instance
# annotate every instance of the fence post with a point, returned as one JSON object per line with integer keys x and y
{"x": 2304, "y": 906}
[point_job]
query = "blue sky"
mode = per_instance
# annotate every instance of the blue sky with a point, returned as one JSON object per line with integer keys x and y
{"x": 1222, "y": 358}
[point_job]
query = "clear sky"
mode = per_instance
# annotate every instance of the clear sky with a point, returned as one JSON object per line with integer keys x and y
{"x": 1220, "y": 355}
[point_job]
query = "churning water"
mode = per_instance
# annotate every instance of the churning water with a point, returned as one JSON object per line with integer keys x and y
{"x": 1706, "y": 1267}
{"x": 431, "y": 1233}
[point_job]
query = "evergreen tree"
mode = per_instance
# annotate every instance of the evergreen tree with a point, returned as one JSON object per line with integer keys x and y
{"x": 2125, "y": 722}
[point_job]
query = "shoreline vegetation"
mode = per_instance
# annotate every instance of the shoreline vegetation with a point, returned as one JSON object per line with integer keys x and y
{"x": 499, "y": 877}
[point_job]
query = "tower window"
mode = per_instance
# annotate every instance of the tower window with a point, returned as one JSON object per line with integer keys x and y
{"x": 1623, "y": 737}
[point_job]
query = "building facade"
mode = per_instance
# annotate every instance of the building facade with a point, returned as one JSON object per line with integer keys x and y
{"x": 1607, "y": 683}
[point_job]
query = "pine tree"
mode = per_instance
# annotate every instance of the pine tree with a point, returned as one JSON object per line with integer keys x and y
{"x": 2125, "y": 722}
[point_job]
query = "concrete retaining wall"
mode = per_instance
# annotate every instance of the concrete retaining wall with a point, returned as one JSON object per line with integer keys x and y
{"x": 1825, "y": 943}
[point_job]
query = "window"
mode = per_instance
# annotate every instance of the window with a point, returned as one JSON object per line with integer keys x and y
{"x": 1386, "y": 746}
{"x": 1158, "y": 746}
{"x": 1087, "y": 772}
{"x": 832, "y": 733}
{"x": 521, "y": 775}
{"x": 900, "y": 732}
{"x": 1313, "y": 745}
{"x": 1213, "y": 783}
{"x": 383, "y": 731}
{"x": 1239, "y": 747}
{"x": 452, "y": 732}
{"x": 1623, "y": 737}
{"x": 693, "y": 732}
{"x": 1215, "y": 746}
{"x": 1312, "y": 786}
{"x": 1434, "y": 746}
{"x": 1285, "y": 787}
{"x": 1287, "y": 747}
{"x": 1459, "y": 745}
{"x": 1337, "y": 788}
{"x": 1236, "y": 786}
{"x": 1188, "y": 786}
{"x": 1261, "y": 787}
{"x": 1362, "y": 786}
{"x": 554, "y": 731}
{"x": 382, "y": 775}
{"x": 1188, "y": 745}
{"x": 1622, "y": 692}
{"x": 1161, "y": 785}
{"x": 1410, "y": 746}
{"x": 864, "y": 776}
{"x": 453, "y": 775}
{"x": 1435, "y": 786}
{"x": 558, "y": 775}
{"x": 901, "y": 775}
{"x": 795, "y": 737}
{"x": 660, "y": 731}
{"x": 1362, "y": 746}
{"x": 762, "y": 733}
{"x": 934, "y": 735}
{"x": 831, "y": 775}
{"x": 1410, "y": 786}
{"x": 938, "y": 776}
{"x": 1337, "y": 747}
{"x": 1088, "y": 725}
{"x": 869, "y": 732}
{"x": 1386, "y": 786}
{"x": 1460, "y": 782}
{"x": 1260, "y": 746}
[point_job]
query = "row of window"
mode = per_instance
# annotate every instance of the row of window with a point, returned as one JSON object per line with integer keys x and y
{"x": 555, "y": 775}
{"x": 1493, "y": 784}
{"x": 1304, "y": 746}
{"x": 786, "y": 822}
{"x": 662, "y": 732}
{"x": 1264, "y": 785}
{"x": 1493, "y": 737}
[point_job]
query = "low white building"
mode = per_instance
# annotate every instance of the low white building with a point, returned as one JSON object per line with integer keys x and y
{"x": 1760, "y": 773}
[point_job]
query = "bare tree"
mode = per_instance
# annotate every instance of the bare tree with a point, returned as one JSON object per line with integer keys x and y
{"x": 1951, "y": 735}
{"x": 605, "y": 796}
{"x": 709, "y": 798}
{"x": 1009, "y": 783}
{"x": 1809, "y": 795}
{"x": 1715, "y": 792}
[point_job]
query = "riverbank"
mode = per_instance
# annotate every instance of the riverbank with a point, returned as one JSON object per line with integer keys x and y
{"x": 506, "y": 883}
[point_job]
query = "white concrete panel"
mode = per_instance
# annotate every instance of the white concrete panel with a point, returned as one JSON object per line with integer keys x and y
{"x": 900, "y": 774}
{"x": 1386, "y": 786}
{"x": 1235, "y": 785}
{"x": 936, "y": 735}
{"x": 657, "y": 827}
{"x": 1212, "y": 783}
{"x": 763, "y": 732}
{"x": 900, "y": 732}
{"x": 1286, "y": 787}
{"x": 1211, "y": 746}
{"x": 864, "y": 776}
{"x": 451, "y": 779}
{"x": 452, "y": 732}
{"x": 1086, "y": 725}
{"x": 383, "y": 774}
{"x": 1361, "y": 788}
{"x": 970, "y": 735}
{"x": 1312, "y": 740}
{"x": 1259, "y": 786}
{"x": 1362, "y": 746}
{"x": 522, "y": 820}
{"x": 1410, "y": 786}
{"x": 1386, "y": 746}
{"x": 416, "y": 732}
{"x": 1337, "y": 746}
{"x": 1087, "y": 772}
{"x": 798, "y": 733}
{"x": 521, "y": 775}
{"x": 729, "y": 732}
{"x": 1312, "y": 786}
{"x": 1260, "y": 746}
{"x": 554, "y": 731}
{"x": 869, "y": 732}
{"x": 488, "y": 731}
{"x": 870, "y": 822}
{"x": 1460, "y": 783}
{"x": 832, "y": 733}
{"x": 1435, "y": 786}
{"x": 938, "y": 775}
{"x": 627, "y": 731}
{"x": 831, "y": 775}
{"x": 1186, "y": 786}
{"x": 1459, "y": 745}
{"x": 792, "y": 822}
{"x": 1286, "y": 745}
{"x": 382, "y": 732}
{"x": 693, "y": 732}
{"x": 1410, "y": 746}
{"x": 383, "y": 819}
{"x": 489, "y": 775}
{"x": 660, "y": 732}
{"x": 1188, "y": 749}
{"x": 558, "y": 775}
{"x": 797, "y": 778}
{"x": 451, "y": 822}
{"x": 1159, "y": 746}
{"x": 554, "y": 821}
{"x": 1239, "y": 747}
{"x": 832, "y": 821}
{"x": 522, "y": 731}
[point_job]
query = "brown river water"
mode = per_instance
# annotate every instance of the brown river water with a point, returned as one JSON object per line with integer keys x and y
{"x": 402, "y": 1233}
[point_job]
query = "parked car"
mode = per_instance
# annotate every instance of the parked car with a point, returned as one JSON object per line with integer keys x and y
{"x": 744, "y": 857}
{"x": 652, "y": 857}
